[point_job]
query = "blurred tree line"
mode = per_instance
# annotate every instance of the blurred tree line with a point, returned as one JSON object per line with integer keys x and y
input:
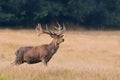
{"x": 89, "y": 13}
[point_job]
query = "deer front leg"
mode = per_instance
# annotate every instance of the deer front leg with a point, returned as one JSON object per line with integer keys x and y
{"x": 44, "y": 62}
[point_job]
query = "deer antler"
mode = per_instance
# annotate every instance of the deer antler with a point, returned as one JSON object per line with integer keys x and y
{"x": 41, "y": 31}
{"x": 60, "y": 29}
{"x": 63, "y": 29}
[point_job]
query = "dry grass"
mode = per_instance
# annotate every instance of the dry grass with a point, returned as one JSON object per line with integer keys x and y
{"x": 86, "y": 55}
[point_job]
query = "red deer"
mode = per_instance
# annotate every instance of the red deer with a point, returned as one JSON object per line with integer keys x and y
{"x": 42, "y": 53}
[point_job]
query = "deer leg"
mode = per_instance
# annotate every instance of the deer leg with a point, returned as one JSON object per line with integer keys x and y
{"x": 44, "y": 62}
{"x": 18, "y": 61}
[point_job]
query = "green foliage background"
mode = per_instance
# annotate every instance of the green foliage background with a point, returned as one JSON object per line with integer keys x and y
{"x": 96, "y": 14}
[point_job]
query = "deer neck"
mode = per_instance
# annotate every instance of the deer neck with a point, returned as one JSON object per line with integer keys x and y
{"x": 53, "y": 46}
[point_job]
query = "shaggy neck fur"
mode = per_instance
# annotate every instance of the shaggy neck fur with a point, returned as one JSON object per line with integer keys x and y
{"x": 53, "y": 47}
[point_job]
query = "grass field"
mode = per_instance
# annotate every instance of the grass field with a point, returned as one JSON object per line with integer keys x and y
{"x": 85, "y": 55}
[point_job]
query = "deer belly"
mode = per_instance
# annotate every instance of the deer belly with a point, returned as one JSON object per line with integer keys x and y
{"x": 32, "y": 60}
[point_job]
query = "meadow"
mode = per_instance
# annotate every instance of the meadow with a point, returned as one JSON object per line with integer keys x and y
{"x": 85, "y": 55}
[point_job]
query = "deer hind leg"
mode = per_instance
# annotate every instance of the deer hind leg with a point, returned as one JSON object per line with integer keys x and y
{"x": 18, "y": 61}
{"x": 19, "y": 58}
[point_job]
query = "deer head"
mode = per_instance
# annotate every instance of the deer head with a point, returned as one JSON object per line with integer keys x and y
{"x": 57, "y": 36}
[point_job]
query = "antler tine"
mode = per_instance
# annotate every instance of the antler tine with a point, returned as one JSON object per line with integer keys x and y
{"x": 46, "y": 27}
{"x": 58, "y": 24}
{"x": 62, "y": 30}
{"x": 59, "y": 27}
{"x": 39, "y": 29}
{"x": 56, "y": 28}
{"x": 49, "y": 30}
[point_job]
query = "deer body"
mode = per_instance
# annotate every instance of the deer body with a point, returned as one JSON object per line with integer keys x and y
{"x": 42, "y": 53}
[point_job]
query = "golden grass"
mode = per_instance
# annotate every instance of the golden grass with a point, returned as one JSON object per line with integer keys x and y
{"x": 85, "y": 55}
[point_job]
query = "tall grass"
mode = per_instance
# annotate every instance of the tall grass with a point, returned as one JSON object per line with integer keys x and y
{"x": 85, "y": 55}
